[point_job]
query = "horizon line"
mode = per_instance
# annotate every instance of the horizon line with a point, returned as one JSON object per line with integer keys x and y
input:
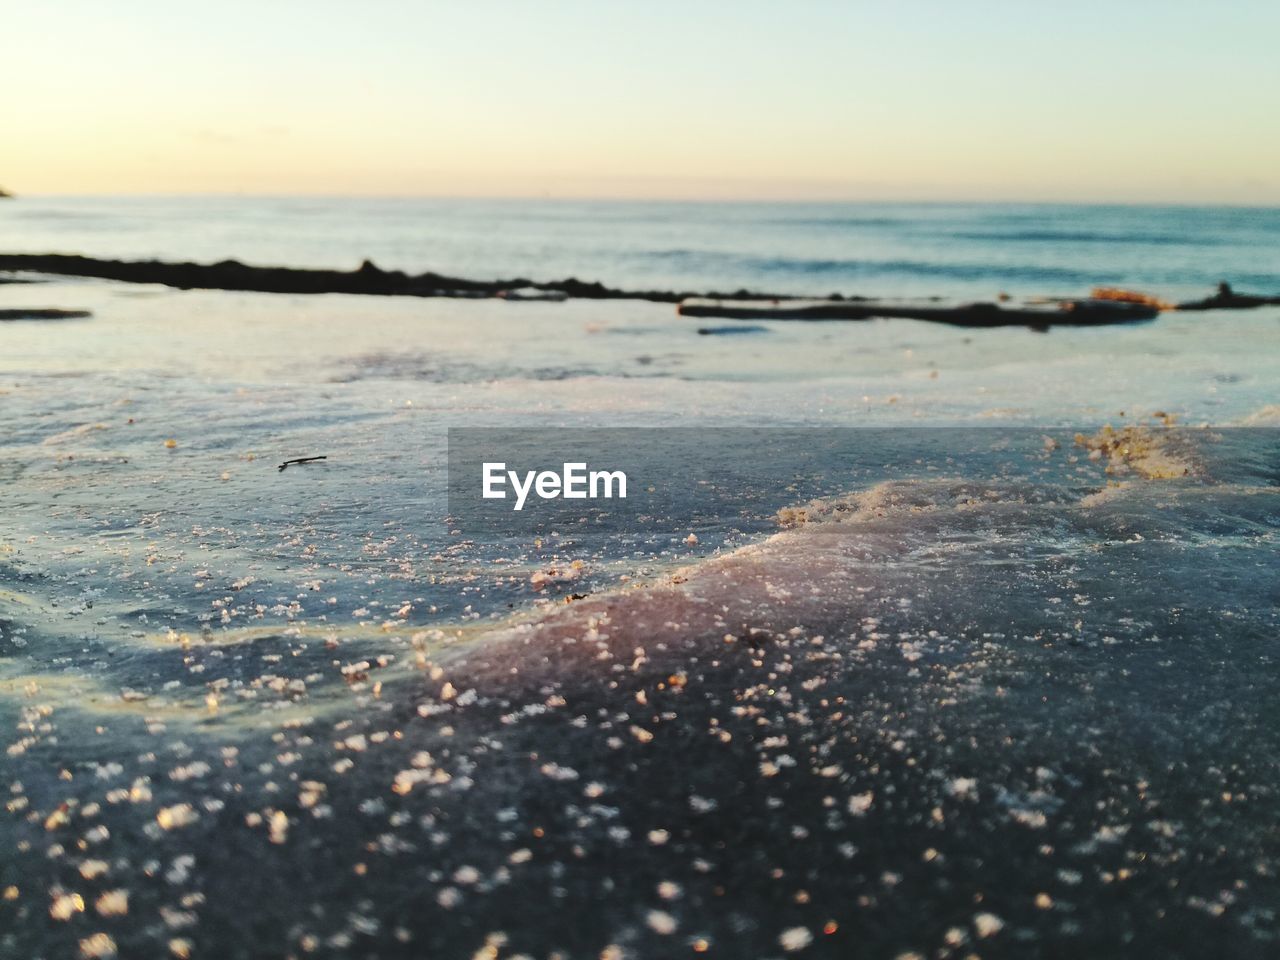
{"x": 616, "y": 198}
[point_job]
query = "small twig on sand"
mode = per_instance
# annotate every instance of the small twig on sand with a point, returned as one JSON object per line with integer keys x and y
{"x": 301, "y": 460}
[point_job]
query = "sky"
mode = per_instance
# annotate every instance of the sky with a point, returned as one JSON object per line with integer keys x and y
{"x": 1122, "y": 101}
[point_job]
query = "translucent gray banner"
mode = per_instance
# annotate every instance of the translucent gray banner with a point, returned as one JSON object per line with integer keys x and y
{"x": 663, "y": 481}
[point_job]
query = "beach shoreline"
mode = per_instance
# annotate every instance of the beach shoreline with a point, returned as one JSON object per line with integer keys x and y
{"x": 314, "y": 712}
{"x": 802, "y": 744}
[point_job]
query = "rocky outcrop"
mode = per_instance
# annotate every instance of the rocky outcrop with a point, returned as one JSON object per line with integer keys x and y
{"x": 963, "y": 314}
{"x": 369, "y": 279}
{"x": 1228, "y": 299}
{"x": 42, "y": 313}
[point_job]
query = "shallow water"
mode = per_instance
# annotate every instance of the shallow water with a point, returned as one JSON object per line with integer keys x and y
{"x": 312, "y": 711}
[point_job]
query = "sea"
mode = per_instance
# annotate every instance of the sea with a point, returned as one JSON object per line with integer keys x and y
{"x": 917, "y": 636}
{"x": 871, "y": 249}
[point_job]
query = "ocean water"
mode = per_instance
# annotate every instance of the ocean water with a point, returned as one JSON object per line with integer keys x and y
{"x": 868, "y": 249}
{"x": 936, "y": 661}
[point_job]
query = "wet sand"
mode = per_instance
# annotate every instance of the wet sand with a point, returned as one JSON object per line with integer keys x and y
{"x": 807, "y": 746}
{"x": 252, "y": 713}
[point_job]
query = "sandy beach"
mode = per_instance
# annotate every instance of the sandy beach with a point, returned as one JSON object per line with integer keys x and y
{"x": 1005, "y": 703}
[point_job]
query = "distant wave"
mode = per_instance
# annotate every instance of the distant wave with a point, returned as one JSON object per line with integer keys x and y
{"x": 721, "y": 263}
{"x": 1085, "y": 236}
{"x": 921, "y": 268}
{"x": 837, "y": 221}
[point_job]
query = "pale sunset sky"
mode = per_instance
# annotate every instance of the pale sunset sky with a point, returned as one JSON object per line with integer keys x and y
{"x": 1126, "y": 100}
